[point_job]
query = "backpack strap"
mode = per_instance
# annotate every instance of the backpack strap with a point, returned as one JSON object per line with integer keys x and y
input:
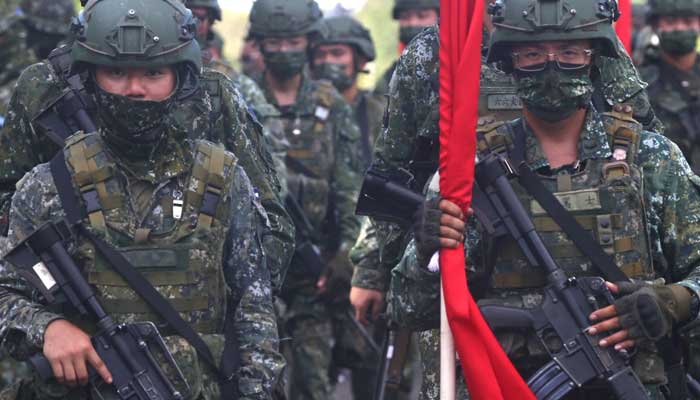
{"x": 208, "y": 182}
{"x": 623, "y": 134}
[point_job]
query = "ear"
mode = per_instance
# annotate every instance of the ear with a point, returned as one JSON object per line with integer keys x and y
{"x": 361, "y": 63}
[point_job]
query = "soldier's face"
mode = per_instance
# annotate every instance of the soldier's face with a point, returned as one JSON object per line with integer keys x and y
{"x": 151, "y": 84}
{"x": 667, "y": 23}
{"x": 277, "y": 44}
{"x": 418, "y": 17}
{"x": 204, "y": 24}
{"x": 340, "y": 54}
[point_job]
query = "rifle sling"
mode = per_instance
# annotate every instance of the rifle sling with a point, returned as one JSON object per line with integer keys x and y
{"x": 573, "y": 229}
{"x": 75, "y": 214}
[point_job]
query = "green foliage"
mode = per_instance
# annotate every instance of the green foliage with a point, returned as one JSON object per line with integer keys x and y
{"x": 376, "y": 16}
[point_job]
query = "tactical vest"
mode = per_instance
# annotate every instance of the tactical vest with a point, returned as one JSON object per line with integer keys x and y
{"x": 311, "y": 154}
{"x": 605, "y": 197}
{"x": 181, "y": 258}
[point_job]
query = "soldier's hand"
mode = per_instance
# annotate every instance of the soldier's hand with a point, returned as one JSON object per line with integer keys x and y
{"x": 610, "y": 321}
{"x": 451, "y": 224}
{"x": 438, "y": 223}
{"x": 364, "y": 301}
{"x": 69, "y": 350}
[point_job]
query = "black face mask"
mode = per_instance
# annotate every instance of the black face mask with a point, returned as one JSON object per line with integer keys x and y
{"x": 678, "y": 42}
{"x": 285, "y": 64}
{"x": 407, "y": 33}
{"x": 335, "y": 73}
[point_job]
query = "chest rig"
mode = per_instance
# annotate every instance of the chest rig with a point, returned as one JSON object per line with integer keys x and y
{"x": 605, "y": 198}
{"x": 311, "y": 156}
{"x": 180, "y": 255}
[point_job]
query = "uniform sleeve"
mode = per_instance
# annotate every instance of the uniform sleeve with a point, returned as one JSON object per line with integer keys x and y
{"x": 23, "y": 319}
{"x": 673, "y": 192}
{"x": 346, "y": 173}
{"x": 364, "y": 255}
{"x": 251, "y": 296}
{"x": 246, "y": 142}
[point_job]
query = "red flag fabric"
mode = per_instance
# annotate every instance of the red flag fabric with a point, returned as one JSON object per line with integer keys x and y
{"x": 623, "y": 26}
{"x": 487, "y": 370}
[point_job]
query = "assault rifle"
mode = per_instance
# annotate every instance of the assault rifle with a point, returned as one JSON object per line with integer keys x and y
{"x": 561, "y": 322}
{"x": 576, "y": 358}
{"x": 126, "y": 349}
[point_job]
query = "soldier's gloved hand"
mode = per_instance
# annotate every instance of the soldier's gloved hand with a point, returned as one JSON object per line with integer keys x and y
{"x": 334, "y": 284}
{"x": 69, "y": 350}
{"x": 438, "y": 223}
{"x": 643, "y": 313}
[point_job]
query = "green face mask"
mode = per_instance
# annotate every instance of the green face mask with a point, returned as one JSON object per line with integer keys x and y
{"x": 678, "y": 42}
{"x": 554, "y": 94}
{"x": 407, "y": 33}
{"x": 335, "y": 73}
{"x": 285, "y": 64}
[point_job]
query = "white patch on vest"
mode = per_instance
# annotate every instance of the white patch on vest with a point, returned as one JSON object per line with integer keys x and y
{"x": 651, "y": 143}
{"x": 177, "y": 208}
{"x": 620, "y": 154}
{"x": 322, "y": 113}
{"x": 44, "y": 275}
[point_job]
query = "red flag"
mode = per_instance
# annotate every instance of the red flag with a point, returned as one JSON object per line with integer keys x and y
{"x": 623, "y": 26}
{"x": 487, "y": 370}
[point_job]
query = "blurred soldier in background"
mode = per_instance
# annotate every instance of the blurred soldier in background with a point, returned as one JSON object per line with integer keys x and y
{"x": 48, "y": 24}
{"x": 251, "y": 58}
{"x": 207, "y": 13}
{"x": 322, "y": 181}
{"x": 340, "y": 56}
{"x": 674, "y": 75}
{"x": 413, "y": 16}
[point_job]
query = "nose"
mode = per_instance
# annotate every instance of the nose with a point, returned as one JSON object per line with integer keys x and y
{"x": 135, "y": 88}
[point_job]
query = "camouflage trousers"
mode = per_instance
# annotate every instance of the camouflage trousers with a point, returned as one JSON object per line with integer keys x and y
{"x": 12, "y": 371}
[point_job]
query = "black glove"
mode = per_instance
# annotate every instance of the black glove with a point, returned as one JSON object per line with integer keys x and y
{"x": 338, "y": 276}
{"x": 649, "y": 312}
{"x": 426, "y": 230}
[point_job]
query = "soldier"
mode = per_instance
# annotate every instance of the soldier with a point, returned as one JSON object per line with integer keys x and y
{"x": 155, "y": 190}
{"x": 251, "y": 59}
{"x": 48, "y": 24}
{"x": 210, "y": 109}
{"x": 674, "y": 76}
{"x": 15, "y": 55}
{"x": 340, "y": 56}
{"x": 322, "y": 175}
{"x": 585, "y": 154}
{"x": 413, "y": 16}
{"x": 207, "y": 13}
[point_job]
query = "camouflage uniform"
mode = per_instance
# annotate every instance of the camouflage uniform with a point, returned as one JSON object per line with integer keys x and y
{"x": 215, "y": 112}
{"x": 14, "y": 53}
{"x": 142, "y": 194}
{"x": 48, "y": 23}
{"x": 327, "y": 147}
{"x": 669, "y": 194}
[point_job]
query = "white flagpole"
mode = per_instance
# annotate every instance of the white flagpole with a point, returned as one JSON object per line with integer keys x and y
{"x": 447, "y": 355}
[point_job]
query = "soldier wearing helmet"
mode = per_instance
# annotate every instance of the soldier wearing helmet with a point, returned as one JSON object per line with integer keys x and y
{"x": 581, "y": 154}
{"x": 413, "y": 16}
{"x": 674, "y": 73}
{"x": 322, "y": 176}
{"x": 153, "y": 178}
{"x": 207, "y": 13}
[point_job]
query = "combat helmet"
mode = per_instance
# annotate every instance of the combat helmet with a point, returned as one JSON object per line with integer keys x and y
{"x": 403, "y": 5}
{"x": 347, "y": 30}
{"x": 212, "y": 5}
{"x": 519, "y": 21}
{"x": 656, "y": 8}
{"x": 51, "y": 17}
{"x": 281, "y": 18}
{"x": 136, "y": 33}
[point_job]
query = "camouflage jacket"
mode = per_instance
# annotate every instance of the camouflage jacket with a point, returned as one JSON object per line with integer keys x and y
{"x": 24, "y": 317}
{"x": 216, "y": 112}
{"x": 675, "y": 96}
{"x": 14, "y": 52}
{"x": 413, "y": 117}
{"x": 669, "y": 196}
{"x": 368, "y": 111}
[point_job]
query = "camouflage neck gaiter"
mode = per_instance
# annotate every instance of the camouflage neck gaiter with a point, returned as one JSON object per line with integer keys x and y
{"x": 134, "y": 127}
{"x": 678, "y": 42}
{"x": 285, "y": 64}
{"x": 553, "y": 94}
{"x": 407, "y": 33}
{"x": 335, "y": 73}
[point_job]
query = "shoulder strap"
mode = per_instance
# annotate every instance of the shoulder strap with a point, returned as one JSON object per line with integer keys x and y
{"x": 363, "y": 124}
{"x": 140, "y": 285}
{"x": 582, "y": 239}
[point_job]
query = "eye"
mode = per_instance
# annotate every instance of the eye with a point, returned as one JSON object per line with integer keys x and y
{"x": 154, "y": 73}
{"x": 116, "y": 72}
{"x": 532, "y": 54}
